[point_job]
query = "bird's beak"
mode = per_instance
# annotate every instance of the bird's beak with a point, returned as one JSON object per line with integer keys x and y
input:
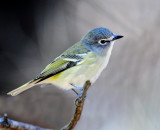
{"x": 117, "y": 37}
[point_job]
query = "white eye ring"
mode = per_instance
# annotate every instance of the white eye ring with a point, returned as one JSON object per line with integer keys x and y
{"x": 103, "y": 41}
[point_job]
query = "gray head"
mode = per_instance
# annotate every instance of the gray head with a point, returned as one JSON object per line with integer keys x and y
{"x": 99, "y": 39}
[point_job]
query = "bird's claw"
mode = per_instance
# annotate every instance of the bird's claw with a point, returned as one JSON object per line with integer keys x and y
{"x": 79, "y": 97}
{"x": 79, "y": 94}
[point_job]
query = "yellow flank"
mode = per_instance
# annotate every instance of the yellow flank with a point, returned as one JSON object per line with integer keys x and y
{"x": 53, "y": 78}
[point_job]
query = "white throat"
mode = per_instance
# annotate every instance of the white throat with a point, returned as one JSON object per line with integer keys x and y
{"x": 105, "y": 60}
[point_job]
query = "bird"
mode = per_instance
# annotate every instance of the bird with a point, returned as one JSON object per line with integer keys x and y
{"x": 85, "y": 60}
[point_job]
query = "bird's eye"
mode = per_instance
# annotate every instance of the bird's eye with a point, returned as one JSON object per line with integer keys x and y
{"x": 103, "y": 41}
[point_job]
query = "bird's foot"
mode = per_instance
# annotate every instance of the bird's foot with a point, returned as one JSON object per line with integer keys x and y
{"x": 79, "y": 94}
{"x": 79, "y": 98}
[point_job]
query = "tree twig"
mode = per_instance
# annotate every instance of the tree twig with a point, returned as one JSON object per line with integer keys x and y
{"x": 79, "y": 108}
{"x": 8, "y": 124}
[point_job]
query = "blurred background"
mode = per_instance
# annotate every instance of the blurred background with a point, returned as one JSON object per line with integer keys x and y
{"x": 33, "y": 33}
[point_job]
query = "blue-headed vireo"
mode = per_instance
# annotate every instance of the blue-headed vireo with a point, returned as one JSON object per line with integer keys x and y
{"x": 83, "y": 61}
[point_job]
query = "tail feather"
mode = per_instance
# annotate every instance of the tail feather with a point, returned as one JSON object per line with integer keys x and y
{"x": 22, "y": 88}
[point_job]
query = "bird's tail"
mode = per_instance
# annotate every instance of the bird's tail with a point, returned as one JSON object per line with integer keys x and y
{"x": 23, "y": 88}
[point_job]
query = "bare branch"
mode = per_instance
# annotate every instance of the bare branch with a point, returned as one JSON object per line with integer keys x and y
{"x": 8, "y": 124}
{"x": 79, "y": 108}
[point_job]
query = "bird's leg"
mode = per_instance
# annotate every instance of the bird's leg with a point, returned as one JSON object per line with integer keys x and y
{"x": 79, "y": 94}
{"x": 75, "y": 91}
{"x": 80, "y": 88}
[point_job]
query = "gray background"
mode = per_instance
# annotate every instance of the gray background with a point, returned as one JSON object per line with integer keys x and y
{"x": 126, "y": 95}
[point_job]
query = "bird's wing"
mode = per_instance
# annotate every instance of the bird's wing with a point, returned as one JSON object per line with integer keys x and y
{"x": 63, "y": 62}
{"x": 71, "y": 57}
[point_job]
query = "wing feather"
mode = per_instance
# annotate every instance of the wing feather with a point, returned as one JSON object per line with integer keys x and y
{"x": 71, "y": 57}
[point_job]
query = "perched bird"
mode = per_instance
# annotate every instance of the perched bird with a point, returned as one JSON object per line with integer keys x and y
{"x": 83, "y": 61}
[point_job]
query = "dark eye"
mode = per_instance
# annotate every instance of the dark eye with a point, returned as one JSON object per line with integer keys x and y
{"x": 103, "y": 41}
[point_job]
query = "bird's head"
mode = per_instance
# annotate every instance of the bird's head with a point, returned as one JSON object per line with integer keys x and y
{"x": 99, "y": 40}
